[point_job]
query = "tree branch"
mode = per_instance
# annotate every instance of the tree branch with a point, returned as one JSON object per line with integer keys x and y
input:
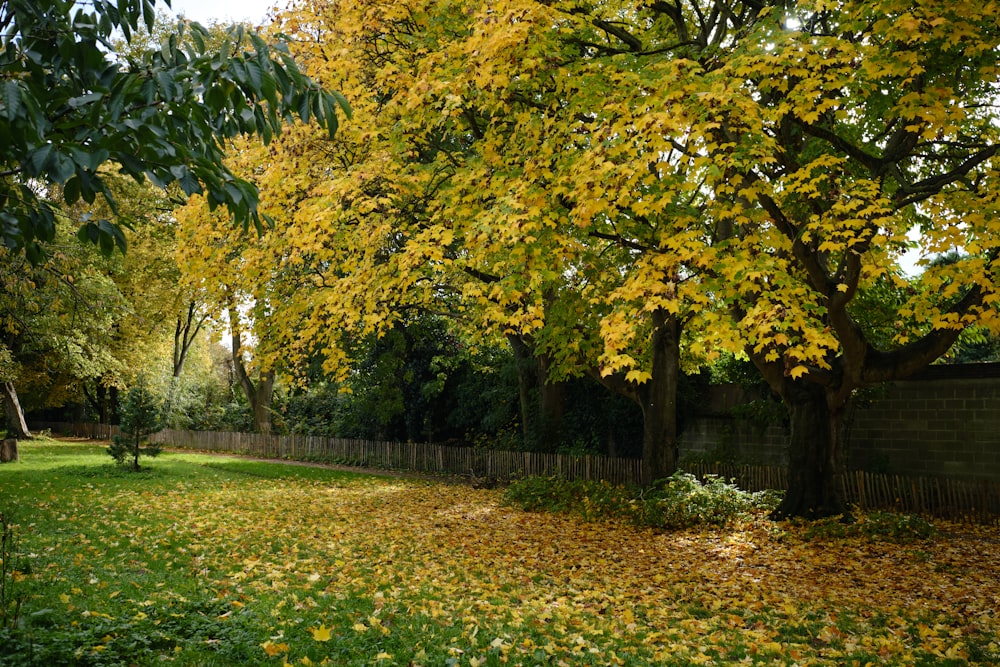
{"x": 921, "y": 190}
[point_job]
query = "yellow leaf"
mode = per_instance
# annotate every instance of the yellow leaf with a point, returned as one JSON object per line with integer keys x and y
{"x": 360, "y": 627}
{"x": 320, "y": 634}
{"x": 841, "y": 287}
{"x": 64, "y": 598}
{"x": 798, "y": 372}
{"x": 273, "y": 649}
{"x": 637, "y": 376}
{"x": 383, "y": 656}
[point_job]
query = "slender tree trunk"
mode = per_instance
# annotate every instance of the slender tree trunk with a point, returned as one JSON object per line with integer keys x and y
{"x": 543, "y": 403}
{"x": 185, "y": 332}
{"x": 113, "y": 416}
{"x": 135, "y": 452}
{"x": 259, "y": 396}
{"x": 658, "y": 400}
{"x": 527, "y": 385}
{"x": 101, "y": 403}
{"x": 527, "y": 379}
{"x": 816, "y": 456}
{"x": 15, "y": 416}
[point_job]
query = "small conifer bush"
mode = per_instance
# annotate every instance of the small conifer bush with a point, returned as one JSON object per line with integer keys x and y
{"x": 141, "y": 416}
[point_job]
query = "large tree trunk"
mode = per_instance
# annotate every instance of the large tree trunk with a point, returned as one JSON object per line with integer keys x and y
{"x": 16, "y": 425}
{"x": 658, "y": 399}
{"x": 816, "y": 456}
{"x": 551, "y": 408}
{"x": 542, "y": 402}
{"x": 261, "y": 402}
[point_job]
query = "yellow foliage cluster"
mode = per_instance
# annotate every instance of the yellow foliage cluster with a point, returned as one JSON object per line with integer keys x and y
{"x": 560, "y": 173}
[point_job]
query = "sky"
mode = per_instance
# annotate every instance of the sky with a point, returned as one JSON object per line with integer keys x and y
{"x": 204, "y": 11}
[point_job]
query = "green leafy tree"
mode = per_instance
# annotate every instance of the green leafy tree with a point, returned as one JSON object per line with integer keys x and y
{"x": 77, "y": 105}
{"x": 70, "y": 107}
{"x": 140, "y": 417}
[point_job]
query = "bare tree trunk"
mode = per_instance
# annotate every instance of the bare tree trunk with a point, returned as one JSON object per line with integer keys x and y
{"x": 185, "y": 332}
{"x": 259, "y": 395}
{"x": 18, "y": 427}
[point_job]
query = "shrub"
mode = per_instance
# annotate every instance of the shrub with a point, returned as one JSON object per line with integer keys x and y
{"x": 682, "y": 501}
{"x": 878, "y": 525}
{"x": 679, "y": 501}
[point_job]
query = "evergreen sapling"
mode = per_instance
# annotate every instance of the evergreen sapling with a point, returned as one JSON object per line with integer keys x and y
{"x": 140, "y": 417}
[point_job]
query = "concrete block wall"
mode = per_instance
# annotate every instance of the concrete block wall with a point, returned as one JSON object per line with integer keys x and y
{"x": 938, "y": 427}
{"x": 944, "y": 422}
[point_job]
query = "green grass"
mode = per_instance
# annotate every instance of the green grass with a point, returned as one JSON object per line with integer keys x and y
{"x": 203, "y": 560}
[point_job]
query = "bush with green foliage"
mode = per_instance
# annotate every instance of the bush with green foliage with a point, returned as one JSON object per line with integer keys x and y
{"x": 141, "y": 416}
{"x": 680, "y": 501}
{"x": 875, "y": 526}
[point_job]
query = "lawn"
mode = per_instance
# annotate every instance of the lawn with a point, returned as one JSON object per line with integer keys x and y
{"x": 216, "y": 561}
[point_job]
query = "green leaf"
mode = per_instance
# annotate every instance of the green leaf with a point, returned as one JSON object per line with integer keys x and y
{"x": 255, "y": 75}
{"x": 38, "y": 158}
{"x": 12, "y": 99}
{"x": 71, "y": 191}
{"x": 345, "y": 106}
{"x": 61, "y": 167}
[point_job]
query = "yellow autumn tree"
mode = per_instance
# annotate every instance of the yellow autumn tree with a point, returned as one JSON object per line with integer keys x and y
{"x": 837, "y": 129}
{"x": 488, "y": 174}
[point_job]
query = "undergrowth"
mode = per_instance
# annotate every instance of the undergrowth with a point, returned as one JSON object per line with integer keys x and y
{"x": 680, "y": 501}
{"x": 877, "y": 525}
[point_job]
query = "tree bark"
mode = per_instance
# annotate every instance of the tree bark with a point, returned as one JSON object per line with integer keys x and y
{"x": 542, "y": 402}
{"x": 185, "y": 332}
{"x": 527, "y": 377}
{"x": 659, "y": 400}
{"x": 17, "y": 426}
{"x": 551, "y": 408}
{"x": 8, "y": 450}
{"x": 816, "y": 453}
{"x": 259, "y": 396}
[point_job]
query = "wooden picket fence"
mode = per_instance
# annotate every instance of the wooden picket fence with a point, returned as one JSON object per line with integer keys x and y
{"x": 959, "y": 500}
{"x": 87, "y": 430}
{"x": 971, "y": 501}
{"x": 498, "y": 465}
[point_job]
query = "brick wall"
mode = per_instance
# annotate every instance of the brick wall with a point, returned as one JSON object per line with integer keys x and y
{"x": 944, "y": 422}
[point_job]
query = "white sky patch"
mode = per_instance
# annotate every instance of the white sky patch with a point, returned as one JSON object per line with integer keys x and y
{"x": 908, "y": 260}
{"x": 225, "y": 11}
